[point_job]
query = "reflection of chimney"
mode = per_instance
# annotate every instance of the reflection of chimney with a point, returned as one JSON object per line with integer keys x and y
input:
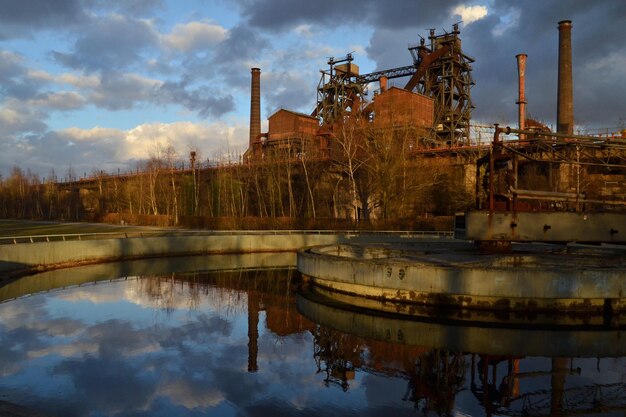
{"x": 253, "y": 332}
{"x": 255, "y": 105}
{"x": 521, "y": 100}
{"x": 565, "y": 102}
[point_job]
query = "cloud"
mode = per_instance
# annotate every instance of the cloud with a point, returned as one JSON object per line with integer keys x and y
{"x": 470, "y": 14}
{"x": 19, "y": 118}
{"x": 194, "y": 36}
{"x": 192, "y": 395}
{"x": 288, "y": 90}
{"x": 22, "y": 18}
{"x": 16, "y": 80}
{"x": 305, "y": 30}
{"x": 117, "y": 91}
{"x": 110, "y": 42}
{"x": 206, "y": 101}
{"x": 276, "y": 15}
{"x": 109, "y": 149}
{"x": 132, "y": 7}
{"x": 63, "y": 101}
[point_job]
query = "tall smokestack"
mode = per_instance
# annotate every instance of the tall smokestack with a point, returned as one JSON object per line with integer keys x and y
{"x": 255, "y": 104}
{"x": 521, "y": 98}
{"x": 565, "y": 102}
{"x": 383, "y": 83}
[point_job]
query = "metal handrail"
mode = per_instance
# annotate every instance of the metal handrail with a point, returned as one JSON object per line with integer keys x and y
{"x": 140, "y": 234}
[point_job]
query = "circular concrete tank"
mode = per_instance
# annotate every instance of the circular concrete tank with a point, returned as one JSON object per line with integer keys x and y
{"x": 571, "y": 284}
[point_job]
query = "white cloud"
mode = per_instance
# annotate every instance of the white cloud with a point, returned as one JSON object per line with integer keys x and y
{"x": 16, "y": 117}
{"x": 304, "y": 30}
{"x": 145, "y": 140}
{"x": 79, "y": 81}
{"x": 62, "y": 100}
{"x": 209, "y": 139}
{"x": 470, "y": 14}
{"x": 39, "y": 75}
{"x": 95, "y": 134}
{"x": 194, "y": 35}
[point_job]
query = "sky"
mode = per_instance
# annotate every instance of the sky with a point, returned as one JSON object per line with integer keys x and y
{"x": 91, "y": 85}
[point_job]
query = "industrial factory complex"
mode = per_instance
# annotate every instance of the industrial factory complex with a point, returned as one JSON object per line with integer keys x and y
{"x": 526, "y": 169}
{"x": 435, "y": 102}
{"x": 366, "y": 151}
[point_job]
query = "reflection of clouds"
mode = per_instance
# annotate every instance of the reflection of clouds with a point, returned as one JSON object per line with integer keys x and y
{"x": 133, "y": 363}
{"x": 18, "y": 312}
{"x": 68, "y": 350}
{"x": 119, "y": 338}
{"x": 109, "y": 385}
{"x": 192, "y": 395}
{"x": 111, "y": 294}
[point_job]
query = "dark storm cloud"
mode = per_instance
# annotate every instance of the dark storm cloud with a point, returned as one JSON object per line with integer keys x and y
{"x": 132, "y": 7}
{"x": 595, "y": 37}
{"x": 233, "y": 55}
{"x": 112, "y": 42}
{"x": 284, "y": 89}
{"x": 281, "y": 14}
{"x": 203, "y": 100}
{"x": 19, "y": 18}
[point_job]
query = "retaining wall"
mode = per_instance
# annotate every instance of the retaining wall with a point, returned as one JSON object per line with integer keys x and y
{"x": 47, "y": 255}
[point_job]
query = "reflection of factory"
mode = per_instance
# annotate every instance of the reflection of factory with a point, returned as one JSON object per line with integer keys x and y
{"x": 434, "y": 105}
{"x": 508, "y": 371}
{"x": 496, "y": 367}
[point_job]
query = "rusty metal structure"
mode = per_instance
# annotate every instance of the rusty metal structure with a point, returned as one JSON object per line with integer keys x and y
{"x": 340, "y": 93}
{"x": 550, "y": 186}
{"x": 444, "y": 72}
{"x": 521, "y": 100}
{"x": 435, "y": 100}
{"x": 565, "y": 199}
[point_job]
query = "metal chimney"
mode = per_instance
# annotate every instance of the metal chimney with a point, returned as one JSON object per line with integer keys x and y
{"x": 521, "y": 100}
{"x": 255, "y": 105}
{"x": 565, "y": 101}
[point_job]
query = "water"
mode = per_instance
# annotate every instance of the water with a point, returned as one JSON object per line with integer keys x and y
{"x": 127, "y": 340}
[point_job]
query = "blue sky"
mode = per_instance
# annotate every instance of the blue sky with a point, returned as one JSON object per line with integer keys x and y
{"x": 104, "y": 84}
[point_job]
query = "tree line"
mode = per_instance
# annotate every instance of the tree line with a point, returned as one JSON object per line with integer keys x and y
{"x": 367, "y": 177}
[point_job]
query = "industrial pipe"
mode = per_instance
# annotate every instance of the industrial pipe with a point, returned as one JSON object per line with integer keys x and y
{"x": 383, "y": 84}
{"x": 565, "y": 102}
{"x": 255, "y": 105}
{"x": 521, "y": 98}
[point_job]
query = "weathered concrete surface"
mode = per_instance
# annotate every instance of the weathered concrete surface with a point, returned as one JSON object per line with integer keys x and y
{"x": 483, "y": 340}
{"x": 545, "y": 227}
{"x": 46, "y": 255}
{"x": 537, "y": 277}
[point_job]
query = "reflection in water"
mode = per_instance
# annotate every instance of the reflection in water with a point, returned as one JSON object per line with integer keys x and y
{"x": 443, "y": 363}
{"x": 240, "y": 342}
